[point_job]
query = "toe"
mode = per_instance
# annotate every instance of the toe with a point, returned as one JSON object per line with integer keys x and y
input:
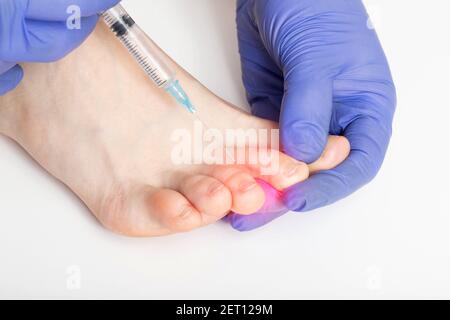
{"x": 174, "y": 211}
{"x": 277, "y": 168}
{"x": 208, "y": 195}
{"x": 288, "y": 172}
{"x": 147, "y": 212}
{"x": 248, "y": 196}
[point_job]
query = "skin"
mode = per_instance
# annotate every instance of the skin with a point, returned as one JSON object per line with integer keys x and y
{"x": 95, "y": 122}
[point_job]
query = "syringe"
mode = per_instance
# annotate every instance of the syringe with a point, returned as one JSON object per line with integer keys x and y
{"x": 145, "y": 52}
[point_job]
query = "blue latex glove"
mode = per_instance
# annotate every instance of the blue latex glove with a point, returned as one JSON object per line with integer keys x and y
{"x": 317, "y": 67}
{"x": 36, "y": 31}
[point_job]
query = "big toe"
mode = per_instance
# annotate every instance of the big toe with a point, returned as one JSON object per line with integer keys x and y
{"x": 247, "y": 195}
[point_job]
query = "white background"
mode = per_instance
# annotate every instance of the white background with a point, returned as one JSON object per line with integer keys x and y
{"x": 389, "y": 240}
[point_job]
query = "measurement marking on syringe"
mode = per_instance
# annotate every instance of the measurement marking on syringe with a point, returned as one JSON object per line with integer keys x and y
{"x": 146, "y": 55}
{"x": 143, "y": 61}
{"x": 109, "y": 20}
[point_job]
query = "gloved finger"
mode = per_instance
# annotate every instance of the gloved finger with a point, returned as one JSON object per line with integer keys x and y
{"x": 336, "y": 152}
{"x": 48, "y": 41}
{"x": 251, "y": 222}
{"x": 264, "y": 89}
{"x": 51, "y": 10}
{"x": 369, "y": 138}
{"x": 273, "y": 208}
{"x": 262, "y": 78}
{"x": 305, "y": 116}
{"x": 5, "y": 66}
{"x": 10, "y": 79}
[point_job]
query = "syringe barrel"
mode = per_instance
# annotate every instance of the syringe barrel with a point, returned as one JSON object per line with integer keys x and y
{"x": 140, "y": 46}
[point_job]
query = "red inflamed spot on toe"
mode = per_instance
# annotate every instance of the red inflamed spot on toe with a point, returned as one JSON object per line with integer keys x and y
{"x": 273, "y": 203}
{"x": 272, "y": 209}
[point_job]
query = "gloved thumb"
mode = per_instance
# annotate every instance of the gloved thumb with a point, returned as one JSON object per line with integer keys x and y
{"x": 10, "y": 79}
{"x": 305, "y": 117}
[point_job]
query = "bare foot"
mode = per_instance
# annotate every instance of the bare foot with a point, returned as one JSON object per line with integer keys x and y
{"x": 94, "y": 121}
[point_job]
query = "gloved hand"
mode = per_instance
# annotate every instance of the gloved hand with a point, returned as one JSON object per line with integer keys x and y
{"x": 37, "y": 31}
{"x": 318, "y": 68}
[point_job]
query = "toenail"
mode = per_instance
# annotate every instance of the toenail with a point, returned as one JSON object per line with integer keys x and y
{"x": 186, "y": 213}
{"x": 293, "y": 170}
{"x": 215, "y": 188}
{"x": 247, "y": 185}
